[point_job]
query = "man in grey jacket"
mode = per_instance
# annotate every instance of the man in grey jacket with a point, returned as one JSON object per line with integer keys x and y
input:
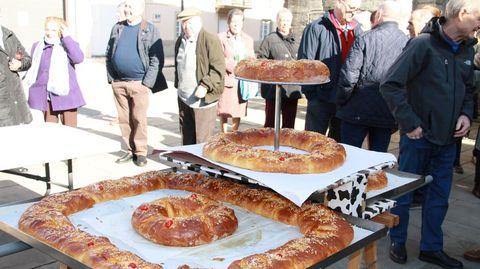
{"x": 360, "y": 106}
{"x": 134, "y": 68}
{"x": 429, "y": 91}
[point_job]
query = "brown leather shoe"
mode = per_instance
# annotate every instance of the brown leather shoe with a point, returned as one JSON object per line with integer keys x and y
{"x": 472, "y": 255}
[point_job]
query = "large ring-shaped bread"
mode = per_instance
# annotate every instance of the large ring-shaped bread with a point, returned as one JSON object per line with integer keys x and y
{"x": 325, "y": 232}
{"x": 184, "y": 221}
{"x": 238, "y": 149}
{"x": 295, "y": 72}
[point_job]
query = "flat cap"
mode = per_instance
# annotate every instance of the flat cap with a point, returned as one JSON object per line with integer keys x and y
{"x": 188, "y": 13}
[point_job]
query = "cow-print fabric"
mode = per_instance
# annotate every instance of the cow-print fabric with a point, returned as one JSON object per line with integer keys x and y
{"x": 349, "y": 198}
{"x": 347, "y": 195}
{"x": 377, "y": 208}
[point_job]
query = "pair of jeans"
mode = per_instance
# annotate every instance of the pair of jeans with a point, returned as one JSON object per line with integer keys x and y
{"x": 354, "y": 134}
{"x": 321, "y": 117}
{"x": 421, "y": 157}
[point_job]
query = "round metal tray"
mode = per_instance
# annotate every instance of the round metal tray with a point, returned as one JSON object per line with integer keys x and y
{"x": 286, "y": 83}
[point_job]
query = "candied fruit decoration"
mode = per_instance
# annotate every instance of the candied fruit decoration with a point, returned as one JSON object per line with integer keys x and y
{"x": 168, "y": 223}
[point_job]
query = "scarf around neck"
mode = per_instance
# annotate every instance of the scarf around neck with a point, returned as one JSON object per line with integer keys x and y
{"x": 58, "y": 77}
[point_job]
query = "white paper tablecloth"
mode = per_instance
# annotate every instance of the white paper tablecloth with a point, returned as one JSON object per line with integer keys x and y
{"x": 255, "y": 233}
{"x": 394, "y": 182}
{"x": 31, "y": 144}
{"x": 298, "y": 187}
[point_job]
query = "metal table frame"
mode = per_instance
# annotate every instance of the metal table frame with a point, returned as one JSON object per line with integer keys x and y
{"x": 27, "y": 241}
{"x": 47, "y": 178}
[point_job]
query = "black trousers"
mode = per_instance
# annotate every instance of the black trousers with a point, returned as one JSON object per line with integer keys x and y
{"x": 476, "y": 153}
{"x": 196, "y": 124}
{"x": 321, "y": 117}
{"x": 288, "y": 112}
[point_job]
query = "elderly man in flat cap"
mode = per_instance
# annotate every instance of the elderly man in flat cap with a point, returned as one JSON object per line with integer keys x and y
{"x": 199, "y": 75}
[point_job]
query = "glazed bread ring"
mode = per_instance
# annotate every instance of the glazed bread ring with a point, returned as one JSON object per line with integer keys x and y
{"x": 238, "y": 149}
{"x": 325, "y": 232}
{"x": 297, "y": 71}
{"x": 184, "y": 221}
{"x": 377, "y": 180}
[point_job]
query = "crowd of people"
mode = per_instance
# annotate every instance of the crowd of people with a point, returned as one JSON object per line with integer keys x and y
{"x": 420, "y": 80}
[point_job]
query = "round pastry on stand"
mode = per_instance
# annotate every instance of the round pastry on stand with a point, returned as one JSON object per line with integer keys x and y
{"x": 298, "y": 72}
{"x": 282, "y": 72}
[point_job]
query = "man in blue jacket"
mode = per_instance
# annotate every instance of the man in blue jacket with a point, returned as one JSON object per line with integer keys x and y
{"x": 429, "y": 91}
{"x": 328, "y": 39}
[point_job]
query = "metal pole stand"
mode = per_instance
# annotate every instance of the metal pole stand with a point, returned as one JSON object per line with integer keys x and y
{"x": 278, "y": 102}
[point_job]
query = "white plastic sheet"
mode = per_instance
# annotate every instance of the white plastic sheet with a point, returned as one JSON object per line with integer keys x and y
{"x": 298, "y": 187}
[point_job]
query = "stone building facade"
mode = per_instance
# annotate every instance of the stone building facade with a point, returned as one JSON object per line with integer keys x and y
{"x": 304, "y": 11}
{"x": 90, "y": 21}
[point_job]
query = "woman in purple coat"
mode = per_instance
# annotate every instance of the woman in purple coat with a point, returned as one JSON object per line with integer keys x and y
{"x": 52, "y": 81}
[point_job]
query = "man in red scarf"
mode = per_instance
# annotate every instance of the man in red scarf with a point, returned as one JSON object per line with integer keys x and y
{"x": 328, "y": 39}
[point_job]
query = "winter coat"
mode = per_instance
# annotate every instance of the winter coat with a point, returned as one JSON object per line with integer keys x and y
{"x": 150, "y": 49}
{"x": 226, "y": 38}
{"x": 37, "y": 97}
{"x": 429, "y": 85}
{"x": 320, "y": 41}
{"x": 210, "y": 64}
{"x": 358, "y": 95}
{"x": 13, "y": 104}
{"x": 278, "y": 47}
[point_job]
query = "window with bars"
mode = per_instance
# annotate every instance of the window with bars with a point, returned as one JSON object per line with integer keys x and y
{"x": 178, "y": 26}
{"x": 266, "y": 28}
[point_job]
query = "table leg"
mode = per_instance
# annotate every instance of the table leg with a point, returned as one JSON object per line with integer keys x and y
{"x": 47, "y": 179}
{"x": 278, "y": 102}
{"x": 386, "y": 218}
{"x": 355, "y": 259}
{"x": 70, "y": 174}
{"x": 371, "y": 256}
{"x": 63, "y": 266}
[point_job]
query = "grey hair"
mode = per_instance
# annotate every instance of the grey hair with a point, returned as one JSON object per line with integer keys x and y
{"x": 283, "y": 12}
{"x": 390, "y": 10}
{"x": 141, "y": 4}
{"x": 422, "y": 15}
{"x": 234, "y": 12}
{"x": 454, "y": 7}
